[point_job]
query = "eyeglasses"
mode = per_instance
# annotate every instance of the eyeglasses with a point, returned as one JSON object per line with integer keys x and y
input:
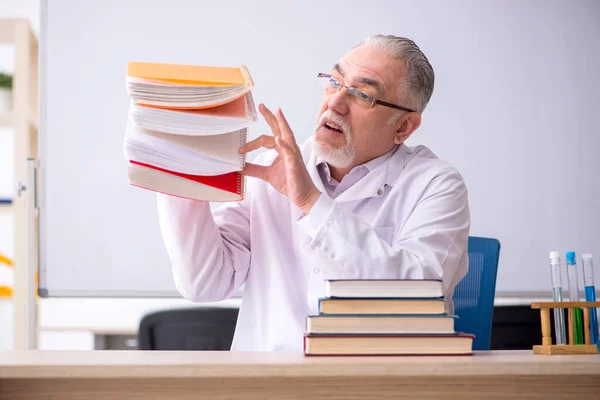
{"x": 363, "y": 99}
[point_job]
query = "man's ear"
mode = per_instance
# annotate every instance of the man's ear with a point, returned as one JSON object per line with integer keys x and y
{"x": 407, "y": 124}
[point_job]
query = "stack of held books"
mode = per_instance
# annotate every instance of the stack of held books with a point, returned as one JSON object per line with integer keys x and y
{"x": 384, "y": 317}
{"x": 185, "y": 127}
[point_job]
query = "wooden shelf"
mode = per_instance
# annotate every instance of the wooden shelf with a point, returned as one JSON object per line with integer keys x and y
{"x": 33, "y": 122}
{"x": 6, "y": 120}
{"x": 6, "y": 207}
{"x": 7, "y": 31}
{"x": 24, "y": 123}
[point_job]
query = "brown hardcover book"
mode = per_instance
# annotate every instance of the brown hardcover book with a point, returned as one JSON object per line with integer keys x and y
{"x": 381, "y": 306}
{"x": 388, "y": 345}
{"x": 380, "y": 324}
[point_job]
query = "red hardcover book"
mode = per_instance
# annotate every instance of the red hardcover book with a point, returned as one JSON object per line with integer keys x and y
{"x": 227, "y": 187}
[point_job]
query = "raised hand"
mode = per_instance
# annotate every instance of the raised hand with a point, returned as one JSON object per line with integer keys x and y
{"x": 287, "y": 173}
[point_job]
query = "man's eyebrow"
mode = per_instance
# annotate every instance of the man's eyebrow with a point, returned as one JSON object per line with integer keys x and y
{"x": 364, "y": 80}
{"x": 371, "y": 82}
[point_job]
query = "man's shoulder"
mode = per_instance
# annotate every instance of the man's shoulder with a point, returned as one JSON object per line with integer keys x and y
{"x": 425, "y": 169}
{"x": 422, "y": 159}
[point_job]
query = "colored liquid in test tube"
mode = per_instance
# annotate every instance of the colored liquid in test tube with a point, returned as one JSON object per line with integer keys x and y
{"x": 574, "y": 296}
{"x": 559, "y": 315}
{"x": 590, "y": 294}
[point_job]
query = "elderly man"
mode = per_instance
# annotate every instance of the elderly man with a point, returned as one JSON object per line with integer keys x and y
{"x": 352, "y": 202}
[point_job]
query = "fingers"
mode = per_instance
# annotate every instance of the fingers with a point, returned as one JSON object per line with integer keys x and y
{"x": 261, "y": 141}
{"x": 284, "y": 148}
{"x": 278, "y": 123}
{"x": 270, "y": 118}
{"x": 256, "y": 171}
{"x": 286, "y": 131}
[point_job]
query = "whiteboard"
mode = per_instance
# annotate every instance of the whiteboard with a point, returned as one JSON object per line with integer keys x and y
{"x": 515, "y": 109}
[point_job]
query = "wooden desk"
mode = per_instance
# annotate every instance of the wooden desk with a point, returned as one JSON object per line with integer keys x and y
{"x": 143, "y": 375}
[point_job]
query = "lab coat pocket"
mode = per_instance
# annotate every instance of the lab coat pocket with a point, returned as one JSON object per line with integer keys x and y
{"x": 386, "y": 233}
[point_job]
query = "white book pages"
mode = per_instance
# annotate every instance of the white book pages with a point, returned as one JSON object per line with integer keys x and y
{"x": 157, "y": 93}
{"x": 233, "y": 116}
{"x": 224, "y": 147}
{"x": 173, "y": 156}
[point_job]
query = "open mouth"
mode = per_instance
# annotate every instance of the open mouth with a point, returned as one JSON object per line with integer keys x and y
{"x": 333, "y": 127}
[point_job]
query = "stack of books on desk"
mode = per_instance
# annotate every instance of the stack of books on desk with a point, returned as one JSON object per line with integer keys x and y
{"x": 185, "y": 127}
{"x": 384, "y": 317}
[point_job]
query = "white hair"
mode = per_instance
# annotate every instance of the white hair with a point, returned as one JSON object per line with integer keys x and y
{"x": 419, "y": 76}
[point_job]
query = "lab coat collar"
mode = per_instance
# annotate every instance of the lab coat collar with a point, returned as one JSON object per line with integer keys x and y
{"x": 372, "y": 185}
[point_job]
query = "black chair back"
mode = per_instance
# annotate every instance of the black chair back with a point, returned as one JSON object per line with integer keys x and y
{"x": 197, "y": 328}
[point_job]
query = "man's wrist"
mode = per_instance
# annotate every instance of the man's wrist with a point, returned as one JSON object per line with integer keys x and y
{"x": 319, "y": 213}
{"x": 312, "y": 199}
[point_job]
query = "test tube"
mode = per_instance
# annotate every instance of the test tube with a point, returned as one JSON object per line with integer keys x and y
{"x": 574, "y": 296}
{"x": 590, "y": 293}
{"x": 559, "y": 315}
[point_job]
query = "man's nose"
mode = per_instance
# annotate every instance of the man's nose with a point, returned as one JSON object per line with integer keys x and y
{"x": 338, "y": 101}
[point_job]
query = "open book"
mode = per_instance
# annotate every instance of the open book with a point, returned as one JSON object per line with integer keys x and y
{"x": 194, "y": 155}
{"x": 185, "y": 127}
{"x": 186, "y": 86}
{"x": 233, "y": 116}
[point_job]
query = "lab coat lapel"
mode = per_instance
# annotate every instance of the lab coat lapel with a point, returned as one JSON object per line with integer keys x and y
{"x": 373, "y": 184}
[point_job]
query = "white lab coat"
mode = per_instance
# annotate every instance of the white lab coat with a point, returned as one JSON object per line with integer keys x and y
{"x": 408, "y": 218}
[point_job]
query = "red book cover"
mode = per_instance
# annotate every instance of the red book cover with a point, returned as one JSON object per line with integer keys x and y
{"x": 229, "y": 182}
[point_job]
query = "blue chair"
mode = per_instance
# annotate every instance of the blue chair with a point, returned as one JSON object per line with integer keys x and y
{"x": 474, "y": 295}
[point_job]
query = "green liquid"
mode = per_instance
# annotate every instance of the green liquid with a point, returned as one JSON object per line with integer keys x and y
{"x": 578, "y": 326}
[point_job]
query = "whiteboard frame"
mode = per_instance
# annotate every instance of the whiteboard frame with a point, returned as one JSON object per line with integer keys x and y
{"x": 43, "y": 290}
{"x": 43, "y": 241}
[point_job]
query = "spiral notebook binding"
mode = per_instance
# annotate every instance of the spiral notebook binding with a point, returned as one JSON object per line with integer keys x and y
{"x": 241, "y": 184}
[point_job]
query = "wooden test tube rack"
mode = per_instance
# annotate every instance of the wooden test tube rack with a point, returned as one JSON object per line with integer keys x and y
{"x": 551, "y": 349}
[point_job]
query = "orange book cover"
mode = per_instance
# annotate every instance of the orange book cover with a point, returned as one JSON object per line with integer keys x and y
{"x": 191, "y": 74}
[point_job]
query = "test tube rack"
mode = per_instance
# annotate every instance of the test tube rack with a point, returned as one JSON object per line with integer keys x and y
{"x": 551, "y": 349}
